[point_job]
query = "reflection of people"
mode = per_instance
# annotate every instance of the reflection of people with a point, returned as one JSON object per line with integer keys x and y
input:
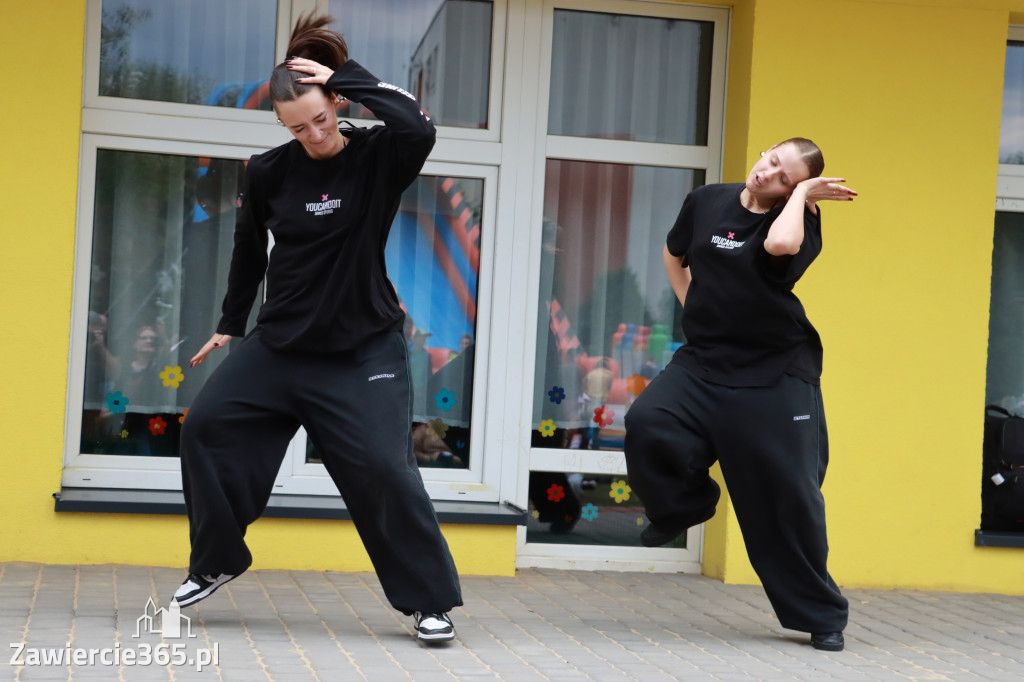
{"x": 140, "y": 378}
{"x": 745, "y": 388}
{"x": 101, "y": 366}
{"x": 327, "y": 352}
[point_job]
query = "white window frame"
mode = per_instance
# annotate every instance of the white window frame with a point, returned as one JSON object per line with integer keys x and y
{"x": 538, "y": 32}
{"x": 1010, "y": 183}
{"x": 197, "y": 130}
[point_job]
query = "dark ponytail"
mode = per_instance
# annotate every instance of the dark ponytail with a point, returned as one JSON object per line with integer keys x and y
{"x": 311, "y": 39}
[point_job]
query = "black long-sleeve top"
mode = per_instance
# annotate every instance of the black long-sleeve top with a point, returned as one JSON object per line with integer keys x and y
{"x": 327, "y": 284}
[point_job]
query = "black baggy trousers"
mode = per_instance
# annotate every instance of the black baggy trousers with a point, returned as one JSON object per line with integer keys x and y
{"x": 773, "y": 448}
{"x": 355, "y": 406}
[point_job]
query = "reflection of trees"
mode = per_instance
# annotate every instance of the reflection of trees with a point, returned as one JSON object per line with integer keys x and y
{"x": 616, "y": 298}
{"x": 121, "y": 76}
{"x": 1015, "y": 158}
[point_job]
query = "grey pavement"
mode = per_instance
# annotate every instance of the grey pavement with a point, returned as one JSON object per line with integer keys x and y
{"x": 538, "y": 625}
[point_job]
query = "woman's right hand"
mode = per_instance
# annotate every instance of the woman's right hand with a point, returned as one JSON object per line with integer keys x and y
{"x": 216, "y": 341}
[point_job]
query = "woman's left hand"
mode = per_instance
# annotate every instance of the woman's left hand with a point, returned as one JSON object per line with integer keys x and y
{"x": 826, "y": 189}
{"x": 318, "y": 72}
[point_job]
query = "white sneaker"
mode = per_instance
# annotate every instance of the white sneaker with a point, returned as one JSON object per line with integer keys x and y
{"x": 434, "y": 627}
{"x": 198, "y": 587}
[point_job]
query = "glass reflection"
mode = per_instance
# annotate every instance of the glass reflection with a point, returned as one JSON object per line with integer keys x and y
{"x": 190, "y": 51}
{"x": 630, "y": 78}
{"x": 162, "y": 237}
{"x": 609, "y": 321}
{"x": 438, "y": 50}
{"x": 1011, "y": 133}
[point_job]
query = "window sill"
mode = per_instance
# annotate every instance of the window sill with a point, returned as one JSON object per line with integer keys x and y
{"x": 119, "y": 501}
{"x": 996, "y": 538}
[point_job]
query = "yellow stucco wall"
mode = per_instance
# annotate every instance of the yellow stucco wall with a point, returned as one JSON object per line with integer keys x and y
{"x": 904, "y": 98}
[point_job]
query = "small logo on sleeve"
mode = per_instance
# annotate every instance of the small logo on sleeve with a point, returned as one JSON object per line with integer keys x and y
{"x": 381, "y": 376}
{"x": 325, "y": 206}
{"x": 389, "y": 86}
{"x": 801, "y": 417}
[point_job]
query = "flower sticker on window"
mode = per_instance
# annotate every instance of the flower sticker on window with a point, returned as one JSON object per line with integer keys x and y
{"x": 184, "y": 413}
{"x": 556, "y": 492}
{"x": 444, "y": 400}
{"x": 589, "y": 512}
{"x": 172, "y": 376}
{"x": 603, "y": 416}
{"x": 438, "y": 427}
{"x": 157, "y": 425}
{"x": 547, "y": 428}
{"x": 116, "y": 403}
{"x": 535, "y": 514}
{"x": 639, "y": 520}
{"x": 635, "y": 384}
{"x": 620, "y": 491}
{"x": 124, "y": 433}
{"x": 556, "y": 394}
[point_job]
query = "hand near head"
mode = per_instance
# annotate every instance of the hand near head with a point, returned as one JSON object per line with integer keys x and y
{"x": 318, "y": 72}
{"x": 216, "y": 341}
{"x": 826, "y": 189}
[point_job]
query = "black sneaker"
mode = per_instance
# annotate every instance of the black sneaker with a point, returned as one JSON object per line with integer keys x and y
{"x": 655, "y": 535}
{"x": 434, "y": 627}
{"x": 198, "y": 587}
{"x": 827, "y": 641}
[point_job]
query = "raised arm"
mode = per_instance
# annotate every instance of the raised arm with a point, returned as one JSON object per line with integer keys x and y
{"x": 786, "y": 234}
{"x": 412, "y": 130}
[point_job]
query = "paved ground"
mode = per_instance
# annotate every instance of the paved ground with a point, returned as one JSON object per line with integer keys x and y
{"x": 539, "y": 625}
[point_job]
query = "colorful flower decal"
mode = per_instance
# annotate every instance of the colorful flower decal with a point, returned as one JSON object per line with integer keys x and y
{"x": 172, "y": 376}
{"x": 116, "y": 403}
{"x": 547, "y": 428}
{"x": 589, "y": 512}
{"x": 460, "y": 444}
{"x": 603, "y": 416}
{"x": 444, "y": 400}
{"x": 557, "y": 394}
{"x": 184, "y": 413}
{"x": 639, "y": 520}
{"x": 438, "y": 427}
{"x": 620, "y": 491}
{"x": 157, "y": 425}
{"x": 635, "y": 384}
{"x": 124, "y": 433}
{"x": 535, "y": 514}
{"x": 556, "y": 492}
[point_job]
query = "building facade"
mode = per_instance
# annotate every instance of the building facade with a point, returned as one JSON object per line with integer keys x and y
{"x": 527, "y": 256}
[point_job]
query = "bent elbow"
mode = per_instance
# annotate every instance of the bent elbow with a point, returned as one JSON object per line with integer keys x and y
{"x": 782, "y": 247}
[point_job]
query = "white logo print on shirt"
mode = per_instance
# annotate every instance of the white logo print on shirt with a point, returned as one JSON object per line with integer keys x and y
{"x": 726, "y": 242}
{"x": 324, "y": 206}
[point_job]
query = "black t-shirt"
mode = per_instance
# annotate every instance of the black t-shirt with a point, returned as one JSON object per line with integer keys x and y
{"x": 744, "y": 325}
{"x": 327, "y": 284}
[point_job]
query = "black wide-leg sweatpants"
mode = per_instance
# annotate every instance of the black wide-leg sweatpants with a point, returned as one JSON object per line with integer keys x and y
{"x": 773, "y": 448}
{"x": 355, "y": 406}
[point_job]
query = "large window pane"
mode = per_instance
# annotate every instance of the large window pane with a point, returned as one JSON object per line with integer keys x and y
{"x": 630, "y": 78}
{"x": 609, "y": 321}
{"x": 162, "y": 237}
{"x": 215, "y": 52}
{"x": 433, "y": 259}
{"x": 439, "y": 50}
{"x": 1011, "y": 135}
{"x": 1005, "y": 377}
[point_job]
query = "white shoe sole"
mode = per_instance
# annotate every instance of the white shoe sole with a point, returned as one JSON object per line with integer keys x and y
{"x": 199, "y": 596}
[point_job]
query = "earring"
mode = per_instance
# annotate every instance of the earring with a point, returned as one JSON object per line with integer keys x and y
{"x": 762, "y": 153}
{"x": 281, "y": 124}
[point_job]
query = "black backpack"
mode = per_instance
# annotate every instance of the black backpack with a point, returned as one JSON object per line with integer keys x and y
{"x": 1002, "y": 481}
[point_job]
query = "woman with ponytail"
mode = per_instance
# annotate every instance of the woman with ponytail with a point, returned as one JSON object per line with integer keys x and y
{"x": 327, "y": 352}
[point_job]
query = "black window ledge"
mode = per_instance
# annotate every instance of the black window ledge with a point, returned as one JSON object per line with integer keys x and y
{"x": 132, "y": 501}
{"x": 998, "y": 538}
